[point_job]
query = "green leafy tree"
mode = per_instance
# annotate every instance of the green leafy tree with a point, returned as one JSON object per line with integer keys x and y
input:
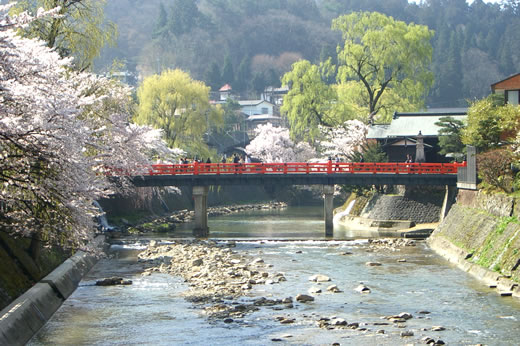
{"x": 80, "y": 30}
{"x": 483, "y": 130}
{"x": 310, "y": 101}
{"x": 179, "y": 105}
{"x": 382, "y": 55}
{"x": 490, "y": 123}
{"x": 232, "y": 115}
{"x": 369, "y": 152}
{"x": 450, "y": 134}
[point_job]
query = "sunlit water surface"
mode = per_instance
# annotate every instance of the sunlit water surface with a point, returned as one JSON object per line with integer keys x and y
{"x": 152, "y": 311}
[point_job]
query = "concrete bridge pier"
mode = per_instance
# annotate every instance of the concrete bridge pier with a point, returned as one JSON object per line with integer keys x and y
{"x": 200, "y": 196}
{"x": 328, "y": 209}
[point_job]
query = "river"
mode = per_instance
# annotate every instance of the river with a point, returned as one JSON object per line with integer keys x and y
{"x": 152, "y": 311}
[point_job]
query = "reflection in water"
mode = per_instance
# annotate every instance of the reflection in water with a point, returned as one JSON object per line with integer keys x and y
{"x": 290, "y": 223}
{"x": 153, "y": 311}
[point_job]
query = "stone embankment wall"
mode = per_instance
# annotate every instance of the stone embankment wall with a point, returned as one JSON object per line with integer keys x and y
{"x": 417, "y": 208}
{"x": 481, "y": 234}
{"x": 402, "y": 210}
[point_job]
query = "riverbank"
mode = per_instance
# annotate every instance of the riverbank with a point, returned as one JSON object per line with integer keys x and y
{"x": 481, "y": 236}
{"x": 21, "y": 319}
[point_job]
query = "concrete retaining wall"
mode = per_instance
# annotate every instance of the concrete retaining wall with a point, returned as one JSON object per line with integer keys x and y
{"x": 28, "y": 313}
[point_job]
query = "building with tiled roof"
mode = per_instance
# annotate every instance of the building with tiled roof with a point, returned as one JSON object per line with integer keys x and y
{"x": 399, "y": 137}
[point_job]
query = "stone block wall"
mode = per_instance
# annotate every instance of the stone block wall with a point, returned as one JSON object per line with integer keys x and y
{"x": 498, "y": 205}
{"x": 486, "y": 231}
{"x": 416, "y": 207}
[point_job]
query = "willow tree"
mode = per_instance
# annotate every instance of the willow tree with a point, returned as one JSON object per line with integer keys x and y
{"x": 386, "y": 60}
{"x": 312, "y": 101}
{"x": 79, "y": 29}
{"x": 179, "y": 105}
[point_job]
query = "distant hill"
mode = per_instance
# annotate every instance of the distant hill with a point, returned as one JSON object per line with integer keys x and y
{"x": 251, "y": 43}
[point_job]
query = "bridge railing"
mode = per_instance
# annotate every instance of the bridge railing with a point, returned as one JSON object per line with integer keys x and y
{"x": 304, "y": 168}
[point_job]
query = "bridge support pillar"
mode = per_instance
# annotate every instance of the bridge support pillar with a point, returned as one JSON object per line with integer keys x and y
{"x": 200, "y": 196}
{"x": 328, "y": 209}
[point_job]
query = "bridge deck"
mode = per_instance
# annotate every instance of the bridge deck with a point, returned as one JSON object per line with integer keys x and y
{"x": 294, "y": 173}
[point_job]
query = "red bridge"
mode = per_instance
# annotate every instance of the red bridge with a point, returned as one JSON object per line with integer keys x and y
{"x": 304, "y": 168}
{"x": 201, "y": 175}
{"x": 297, "y": 173}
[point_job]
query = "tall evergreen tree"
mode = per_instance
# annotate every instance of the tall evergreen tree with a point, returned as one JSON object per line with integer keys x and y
{"x": 213, "y": 77}
{"x": 184, "y": 16}
{"x": 259, "y": 83}
{"x": 161, "y": 25}
{"x": 228, "y": 75}
{"x": 243, "y": 75}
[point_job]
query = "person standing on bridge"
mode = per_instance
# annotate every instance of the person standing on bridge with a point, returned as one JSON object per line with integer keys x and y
{"x": 236, "y": 161}
{"x": 336, "y": 160}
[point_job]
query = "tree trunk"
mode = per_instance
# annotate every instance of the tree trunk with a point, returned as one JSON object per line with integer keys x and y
{"x": 35, "y": 248}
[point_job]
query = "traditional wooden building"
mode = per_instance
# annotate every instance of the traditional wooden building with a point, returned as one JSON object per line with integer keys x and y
{"x": 398, "y": 139}
{"x": 510, "y": 88}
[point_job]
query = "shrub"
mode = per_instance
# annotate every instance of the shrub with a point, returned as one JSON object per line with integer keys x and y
{"x": 494, "y": 168}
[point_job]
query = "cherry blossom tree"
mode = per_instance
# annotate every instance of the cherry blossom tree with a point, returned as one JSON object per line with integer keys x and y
{"x": 59, "y": 131}
{"x": 273, "y": 144}
{"x": 343, "y": 140}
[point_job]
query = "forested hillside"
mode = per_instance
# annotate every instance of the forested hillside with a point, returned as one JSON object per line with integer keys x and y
{"x": 251, "y": 43}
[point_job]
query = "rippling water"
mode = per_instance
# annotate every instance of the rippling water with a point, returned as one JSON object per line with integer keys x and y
{"x": 153, "y": 312}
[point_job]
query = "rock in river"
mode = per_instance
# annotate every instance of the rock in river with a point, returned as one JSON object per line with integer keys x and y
{"x": 304, "y": 298}
{"x": 113, "y": 281}
{"x": 333, "y": 289}
{"x": 373, "y": 264}
{"x": 362, "y": 289}
{"x": 319, "y": 278}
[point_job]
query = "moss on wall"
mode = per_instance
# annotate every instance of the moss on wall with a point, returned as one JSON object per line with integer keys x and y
{"x": 482, "y": 226}
{"x": 18, "y": 271}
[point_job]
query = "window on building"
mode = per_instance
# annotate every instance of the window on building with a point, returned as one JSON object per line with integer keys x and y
{"x": 265, "y": 110}
{"x": 513, "y": 97}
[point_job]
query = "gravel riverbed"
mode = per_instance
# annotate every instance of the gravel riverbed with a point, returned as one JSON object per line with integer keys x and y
{"x": 222, "y": 280}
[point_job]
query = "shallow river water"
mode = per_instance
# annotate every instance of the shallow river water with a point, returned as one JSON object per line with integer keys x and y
{"x": 152, "y": 311}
